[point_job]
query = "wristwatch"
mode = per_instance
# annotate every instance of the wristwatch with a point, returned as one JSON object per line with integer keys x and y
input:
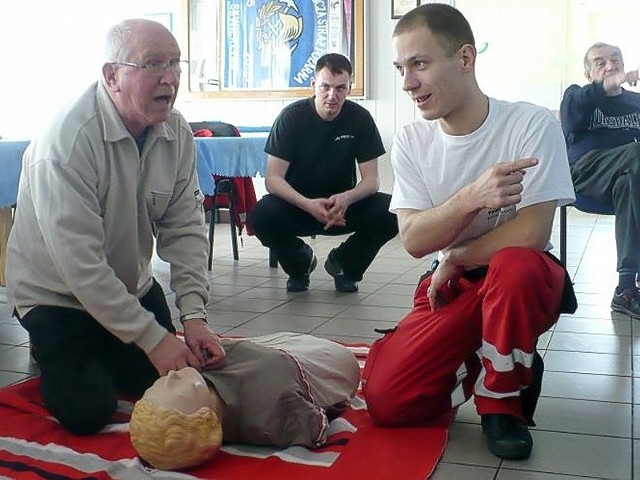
{"x": 194, "y": 316}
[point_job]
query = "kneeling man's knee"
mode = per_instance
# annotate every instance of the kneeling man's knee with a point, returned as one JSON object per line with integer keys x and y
{"x": 86, "y": 418}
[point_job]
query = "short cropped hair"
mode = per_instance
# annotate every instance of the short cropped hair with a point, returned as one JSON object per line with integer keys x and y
{"x": 171, "y": 440}
{"x": 335, "y": 62}
{"x": 448, "y": 25}
{"x": 587, "y": 62}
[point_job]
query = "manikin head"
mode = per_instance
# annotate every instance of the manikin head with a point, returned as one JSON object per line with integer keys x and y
{"x": 177, "y": 422}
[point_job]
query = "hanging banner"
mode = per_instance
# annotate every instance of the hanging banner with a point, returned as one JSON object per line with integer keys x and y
{"x": 275, "y": 44}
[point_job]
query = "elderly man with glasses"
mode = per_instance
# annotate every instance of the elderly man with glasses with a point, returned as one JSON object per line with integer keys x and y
{"x": 114, "y": 173}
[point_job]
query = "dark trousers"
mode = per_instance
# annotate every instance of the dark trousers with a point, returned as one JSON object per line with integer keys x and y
{"x": 278, "y": 224}
{"x": 82, "y": 365}
{"x": 613, "y": 176}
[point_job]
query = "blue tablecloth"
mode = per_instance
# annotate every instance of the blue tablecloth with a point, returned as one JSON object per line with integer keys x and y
{"x": 10, "y": 166}
{"x": 228, "y": 156}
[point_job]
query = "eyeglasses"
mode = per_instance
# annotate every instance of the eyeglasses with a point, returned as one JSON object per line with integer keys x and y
{"x": 157, "y": 68}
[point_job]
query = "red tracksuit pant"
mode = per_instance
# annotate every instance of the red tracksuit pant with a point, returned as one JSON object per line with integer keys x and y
{"x": 481, "y": 343}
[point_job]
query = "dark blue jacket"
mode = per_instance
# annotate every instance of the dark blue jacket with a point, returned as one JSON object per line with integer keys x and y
{"x": 591, "y": 120}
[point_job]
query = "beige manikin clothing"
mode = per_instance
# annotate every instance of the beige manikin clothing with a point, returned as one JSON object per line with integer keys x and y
{"x": 277, "y": 387}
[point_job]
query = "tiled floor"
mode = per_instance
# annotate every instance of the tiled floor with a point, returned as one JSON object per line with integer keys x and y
{"x": 588, "y": 415}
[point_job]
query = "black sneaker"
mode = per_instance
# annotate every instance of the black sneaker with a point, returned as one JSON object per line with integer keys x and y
{"x": 300, "y": 283}
{"x": 507, "y": 436}
{"x": 333, "y": 268}
{"x": 627, "y": 301}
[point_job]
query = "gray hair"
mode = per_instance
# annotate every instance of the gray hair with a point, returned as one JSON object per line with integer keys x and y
{"x": 117, "y": 41}
{"x": 587, "y": 62}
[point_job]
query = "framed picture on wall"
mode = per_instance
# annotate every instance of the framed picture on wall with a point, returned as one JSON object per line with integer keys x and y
{"x": 269, "y": 48}
{"x": 400, "y": 7}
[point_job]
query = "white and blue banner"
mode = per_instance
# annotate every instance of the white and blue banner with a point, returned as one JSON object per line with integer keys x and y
{"x": 275, "y": 44}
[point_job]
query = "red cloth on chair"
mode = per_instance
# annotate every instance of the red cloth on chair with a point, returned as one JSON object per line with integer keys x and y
{"x": 203, "y": 132}
{"x": 244, "y": 200}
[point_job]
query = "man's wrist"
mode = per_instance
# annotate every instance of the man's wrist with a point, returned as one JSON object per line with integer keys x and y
{"x": 193, "y": 316}
{"x": 465, "y": 200}
{"x": 453, "y": 256}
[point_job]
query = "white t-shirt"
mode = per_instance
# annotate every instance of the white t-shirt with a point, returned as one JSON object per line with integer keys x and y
{"x": 430, "y": 166}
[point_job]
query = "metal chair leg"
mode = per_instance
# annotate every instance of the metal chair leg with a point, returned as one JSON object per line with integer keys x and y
{"x": 212, "y": 227}
{"x": 225, "y": 185}
{"x": 563, "y": 235}
{"x": 232, "y": 222}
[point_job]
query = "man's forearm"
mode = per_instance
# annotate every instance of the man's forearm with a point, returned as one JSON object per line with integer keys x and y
{"x": 530, "y": 229}
{"x": 279, "y": 187}
{"x": 478, "y": 251}
{"x": 363, "y": 189}
{"x": 426, "y": 231}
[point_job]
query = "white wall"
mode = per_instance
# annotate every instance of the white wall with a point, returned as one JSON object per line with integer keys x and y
{"x": 51, "y": 50}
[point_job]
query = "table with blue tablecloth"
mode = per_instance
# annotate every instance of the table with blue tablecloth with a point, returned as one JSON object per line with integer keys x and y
{"x": 229, "y": 157}
{"x": 10, "y": 166}
{"x": 226, "y": 156}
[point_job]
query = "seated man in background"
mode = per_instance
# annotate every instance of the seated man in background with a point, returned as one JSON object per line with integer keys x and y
{"x": 601, "y": 124}
{"x": 280, "y": 389}
{"x": 313, "y": 148}
{"x": 114, "y": 173}
{"x": 479, "y": 180}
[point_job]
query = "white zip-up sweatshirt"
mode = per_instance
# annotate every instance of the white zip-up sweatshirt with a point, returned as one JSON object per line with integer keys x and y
{"x": 89, "y": 206}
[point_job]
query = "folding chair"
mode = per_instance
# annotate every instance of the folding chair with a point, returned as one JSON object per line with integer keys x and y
{"x": 584, "y": 204}
{"x": 223, "y": 185}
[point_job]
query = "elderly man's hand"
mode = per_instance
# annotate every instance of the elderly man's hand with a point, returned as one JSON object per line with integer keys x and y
{"x": 611, "y": 82}
{"x": 172, "y": 354}
{"x": 204, "y": 343}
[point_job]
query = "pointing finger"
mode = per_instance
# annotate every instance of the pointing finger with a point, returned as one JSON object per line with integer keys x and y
{"x": 523, "y": 163}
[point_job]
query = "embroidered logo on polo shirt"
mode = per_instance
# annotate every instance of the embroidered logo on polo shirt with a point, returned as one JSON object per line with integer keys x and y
{"x": 343, "y": 137}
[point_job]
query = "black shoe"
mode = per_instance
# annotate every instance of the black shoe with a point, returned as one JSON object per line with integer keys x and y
{"x": 529, "y": 396}
{"x": 507, "y": 436}
{"x": 627, "y": 301}
{"x": 300, "y": 283}
{"x": 333, "y": 268}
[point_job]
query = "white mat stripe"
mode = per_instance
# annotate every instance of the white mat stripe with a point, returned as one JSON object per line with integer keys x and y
{"x": 298, "y": 455}
{"x": 125, "y": 469}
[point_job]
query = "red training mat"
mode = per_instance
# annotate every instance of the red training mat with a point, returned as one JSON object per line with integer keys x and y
{"x": 34, "y": 446}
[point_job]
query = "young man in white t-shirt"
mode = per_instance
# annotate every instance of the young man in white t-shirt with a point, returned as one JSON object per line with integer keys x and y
{"x": 478, "y": 180}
